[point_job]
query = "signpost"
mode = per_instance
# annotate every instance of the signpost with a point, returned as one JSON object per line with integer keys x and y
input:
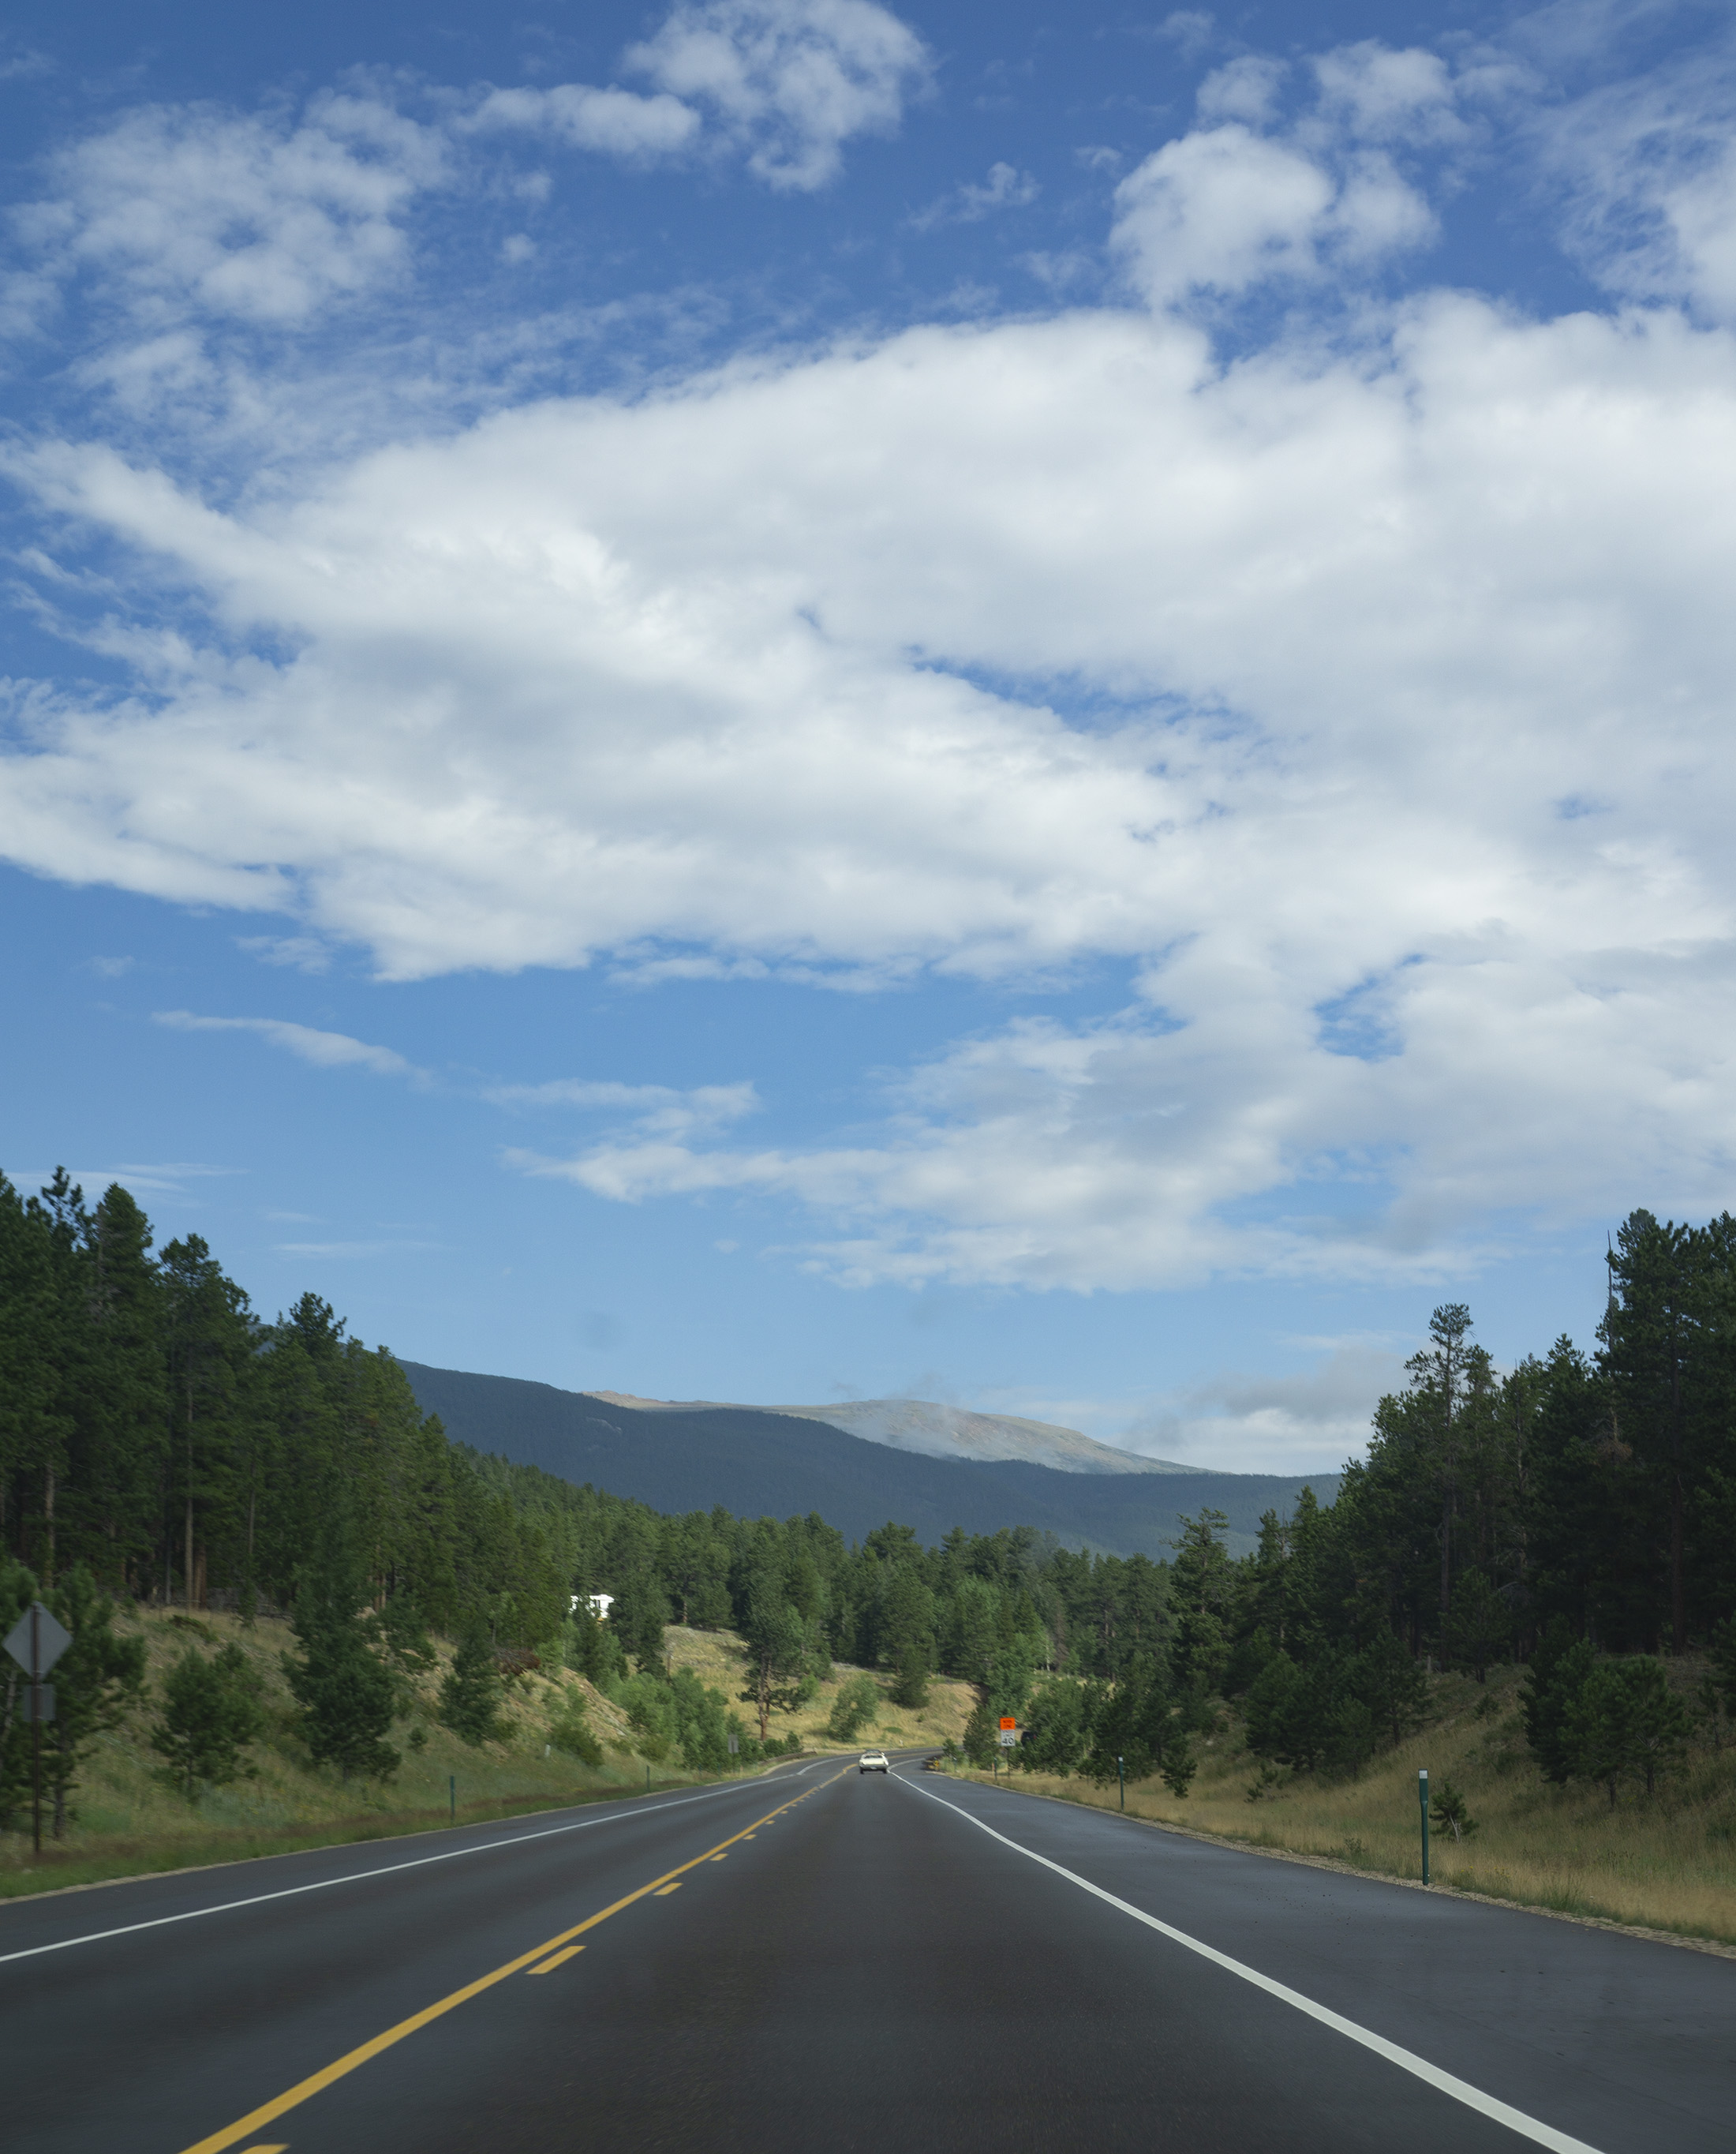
{"x": 1009, "y": 1732}
{"x": 36, "y": 1641}
{"x": 1422, "y": 1798}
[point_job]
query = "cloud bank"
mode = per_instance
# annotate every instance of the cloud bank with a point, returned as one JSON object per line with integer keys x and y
{"x": 1358, "y": 688}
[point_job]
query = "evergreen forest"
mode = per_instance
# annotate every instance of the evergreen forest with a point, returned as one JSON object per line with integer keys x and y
{"x": 160, "y": 1441}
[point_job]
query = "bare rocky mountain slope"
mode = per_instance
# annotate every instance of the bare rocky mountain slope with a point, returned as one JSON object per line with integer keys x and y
{"x": 938, "y": 1432}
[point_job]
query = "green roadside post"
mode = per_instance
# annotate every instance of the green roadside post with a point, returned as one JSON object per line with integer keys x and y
{"x": 1121, "y": 1782}
{"x": 1422, "y": 1798}
{"x": 648, "y": 1779}
{"x": 452, "y": 1794}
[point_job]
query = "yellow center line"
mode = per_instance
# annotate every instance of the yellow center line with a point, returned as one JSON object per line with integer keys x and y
{"x": 556, "y": 1959}
{"x": 269, "y": 2112}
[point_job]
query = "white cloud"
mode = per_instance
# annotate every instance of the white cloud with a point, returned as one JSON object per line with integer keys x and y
{"x": 147, "y": 1178}
{"x": 770, "y": 671}
{"x": 1192, "y": 28}
{"x": 1007, "y": 187}
{"x": 792, "y": 81}
{"x": 616, "y": 122}
{"x": 326, "y": 1050}
{"x": 346, "y": 1250}
{"x": 1246, "y": 89}
{"x": 1387, "y": 96}
{"x": 1293, "y": 1422}
{"x": 262, "y": 217}
{"x": 306, "y": 953}
{"x": 1232, "y": 205}
{"x": 654, "y": 1109}
{"x": 1648, "y": 176}
{"x": 1219, "y": 211}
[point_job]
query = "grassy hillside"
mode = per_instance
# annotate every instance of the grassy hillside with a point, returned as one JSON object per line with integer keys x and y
{"x": 128, "y": 1820}
{"x": 716, "y": 1656}
{"x": 1666, "y": 1864}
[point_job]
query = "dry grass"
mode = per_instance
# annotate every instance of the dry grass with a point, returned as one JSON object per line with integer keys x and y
{"x": 717, "y": 1657}
{"x": 129, "y": 1821}
{"x": 1666, "y": 1864}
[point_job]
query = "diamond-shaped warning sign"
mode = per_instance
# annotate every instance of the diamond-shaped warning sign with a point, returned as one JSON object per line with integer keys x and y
{"x": 36, "y": 1640}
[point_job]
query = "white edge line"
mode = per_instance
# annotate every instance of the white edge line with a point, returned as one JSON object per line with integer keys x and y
{"x": 361, "y": 1876}
{"x": 1515, "y": 2119}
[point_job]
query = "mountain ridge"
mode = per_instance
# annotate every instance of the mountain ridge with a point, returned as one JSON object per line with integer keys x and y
{"x": 756, "y": 1463}
{"x": 934, "y": 1431}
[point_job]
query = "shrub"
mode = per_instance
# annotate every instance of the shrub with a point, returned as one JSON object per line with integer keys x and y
{"x": 857, "y": 1700}
{"x": 469, "y": 1693}
{"x": 570, "y": 1731}
{"x": 211, "y": 1714}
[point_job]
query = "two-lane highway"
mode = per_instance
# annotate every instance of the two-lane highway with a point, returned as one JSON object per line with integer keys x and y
{"x": 827, "y": 1956}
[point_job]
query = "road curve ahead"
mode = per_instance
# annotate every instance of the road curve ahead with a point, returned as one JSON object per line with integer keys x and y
{"x": 827, "y": 1958}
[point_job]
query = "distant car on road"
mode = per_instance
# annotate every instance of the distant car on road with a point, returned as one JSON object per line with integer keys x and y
{"x": 873, "y": 1761}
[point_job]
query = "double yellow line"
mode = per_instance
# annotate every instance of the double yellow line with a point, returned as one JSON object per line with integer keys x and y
{"x": 268, "y": 2112}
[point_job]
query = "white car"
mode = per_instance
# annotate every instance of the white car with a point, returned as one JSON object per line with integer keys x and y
{"x": 873, "y": 1761}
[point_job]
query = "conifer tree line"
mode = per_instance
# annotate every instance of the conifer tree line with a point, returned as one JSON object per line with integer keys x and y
{"x": 161, "y": 1441}
{"x": 1576, "y": 1513}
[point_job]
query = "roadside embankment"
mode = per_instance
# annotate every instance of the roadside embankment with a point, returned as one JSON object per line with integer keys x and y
{"x": 1665, "y": 1862}
{"x": 127, "y": 1819}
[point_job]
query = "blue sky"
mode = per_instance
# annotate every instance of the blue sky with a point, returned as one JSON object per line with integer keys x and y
{"x": 784, "y": 700}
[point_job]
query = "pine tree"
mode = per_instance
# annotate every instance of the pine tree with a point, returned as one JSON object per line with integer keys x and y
{"x": 211, "y": 1714}
{"x": 1477, "y": 1624}
{"x": 1451, "y": 1812}
{"x": 1178, "y": 1764}
{"x": 95, "y": 1679}
{"x": 18, "y": 1589}
{"x": 471, "y": 1693}
{"x": 347, "y": 1695}
{"x": 1560, "y": 1669}
{"x": 638, "y": 1617}
{"x": 1625, "y": 1719}
{"x": 1390, "y": 1681}
{"x": 777, "y": 1646}
{"x": 209, "y": 1339}
{"x": 910, "y": 1683}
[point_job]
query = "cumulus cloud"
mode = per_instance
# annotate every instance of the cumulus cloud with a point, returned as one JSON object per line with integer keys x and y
{"x": 263, "y": 217}
{"x": 1384, "y": 95}
{"x": 325, "y": 1050}
{"x": 792, "y": 81}
{"x": 594, "y": 675}
{"x": 1241, "y": 201}
{"x": 1246, "y": 90}
{"x": 1407, "y": 819}
{"x": 617, "y": 122}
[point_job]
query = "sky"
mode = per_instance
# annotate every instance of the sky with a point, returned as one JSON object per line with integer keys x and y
{"x": 782, "y": 700}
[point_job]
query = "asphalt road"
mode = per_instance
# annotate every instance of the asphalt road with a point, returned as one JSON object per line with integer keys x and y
{"x": 829, "y": 1958}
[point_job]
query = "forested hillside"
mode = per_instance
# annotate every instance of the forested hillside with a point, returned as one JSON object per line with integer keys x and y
{"x": 160, "y": 1441}
{"x": 761, "y": 1462}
